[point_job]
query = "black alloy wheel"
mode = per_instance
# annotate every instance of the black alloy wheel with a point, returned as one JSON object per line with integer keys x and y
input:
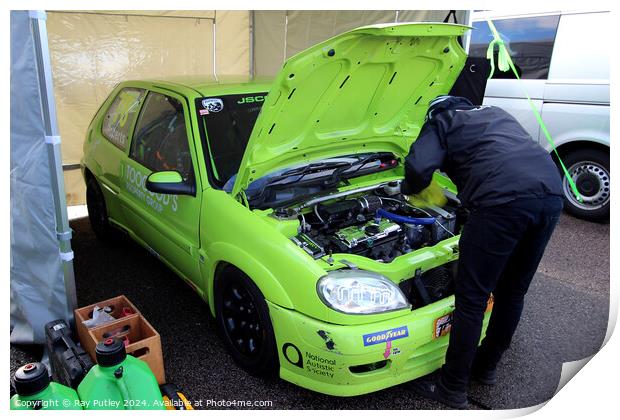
{"x": 97, "y": 211}
{"x": 243, "y": 317}
{"x": 241, "y": 320}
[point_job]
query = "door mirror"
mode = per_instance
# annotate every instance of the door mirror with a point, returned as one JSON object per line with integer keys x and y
{"x": 169, "y": 182}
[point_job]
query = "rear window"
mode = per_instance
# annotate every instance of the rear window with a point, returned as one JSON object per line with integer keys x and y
{"x": 529, "y": 41}
{"x": 121, "y": 115}
{"x": 226, "y": 123}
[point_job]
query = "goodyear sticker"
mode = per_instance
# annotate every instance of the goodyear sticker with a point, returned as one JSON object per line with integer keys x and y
{"x": 387, "y": 335}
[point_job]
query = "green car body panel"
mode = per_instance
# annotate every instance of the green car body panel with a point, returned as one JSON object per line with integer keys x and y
{"x": 363, "y": 91}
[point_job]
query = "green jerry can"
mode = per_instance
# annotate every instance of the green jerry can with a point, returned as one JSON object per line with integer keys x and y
{"x": 119, "y": 381}
{"x": 36, "y": 392}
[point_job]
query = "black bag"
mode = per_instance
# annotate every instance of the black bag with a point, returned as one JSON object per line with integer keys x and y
{"x": 69, "y": 361}
{"x": 472, "y": 82}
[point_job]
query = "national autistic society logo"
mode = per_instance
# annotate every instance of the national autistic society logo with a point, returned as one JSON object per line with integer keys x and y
{"x": 387, "y": 335}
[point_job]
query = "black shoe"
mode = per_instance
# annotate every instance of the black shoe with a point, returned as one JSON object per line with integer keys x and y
{"x": 485, "y": 377}
{"x": 429, "y": 389}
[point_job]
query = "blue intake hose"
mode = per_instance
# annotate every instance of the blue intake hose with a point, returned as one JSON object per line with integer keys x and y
{"x": 405, "y": 219}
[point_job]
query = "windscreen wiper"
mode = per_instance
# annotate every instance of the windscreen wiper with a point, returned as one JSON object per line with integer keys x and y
{"x": 387, "y": 161}
{"x": 340, "y": 168}
{"x": 311, "y": 168}
{"x": 299, "y": 174}
{"x": 342, "y": 171}
{"x": 302, "y": 172}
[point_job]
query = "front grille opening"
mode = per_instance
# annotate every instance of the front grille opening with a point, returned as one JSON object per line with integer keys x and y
{"x": 430, "y": 286}
{"x": 369, "y": 367}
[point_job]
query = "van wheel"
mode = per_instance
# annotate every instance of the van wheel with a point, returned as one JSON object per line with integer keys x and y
{"x": 243, "y": 318}
{"x": 589, "y": 169}
{"x": 97, "y": 211}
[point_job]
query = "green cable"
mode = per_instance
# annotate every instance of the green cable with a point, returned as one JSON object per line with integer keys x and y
{"x": 504, "y": 62}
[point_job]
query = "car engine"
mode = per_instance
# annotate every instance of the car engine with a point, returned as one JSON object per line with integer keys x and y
{"x": 379, "y": 224}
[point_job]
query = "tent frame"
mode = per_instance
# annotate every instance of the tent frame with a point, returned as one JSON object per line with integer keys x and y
{"x": 52, "y": 140}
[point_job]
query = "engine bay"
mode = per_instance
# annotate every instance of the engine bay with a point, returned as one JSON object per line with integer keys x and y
{"x": 378, "y": 223}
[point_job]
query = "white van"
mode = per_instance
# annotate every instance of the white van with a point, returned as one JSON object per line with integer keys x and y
{"x": 563, "y": 59}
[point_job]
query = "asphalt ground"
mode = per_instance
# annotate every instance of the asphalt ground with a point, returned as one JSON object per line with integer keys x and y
{"x": 565, "y": 319}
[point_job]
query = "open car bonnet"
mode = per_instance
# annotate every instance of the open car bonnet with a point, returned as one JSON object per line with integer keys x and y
{"x": 364, "y": 90}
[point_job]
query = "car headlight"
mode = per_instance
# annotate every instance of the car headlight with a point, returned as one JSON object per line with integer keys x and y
{"x": 360, "y": 292}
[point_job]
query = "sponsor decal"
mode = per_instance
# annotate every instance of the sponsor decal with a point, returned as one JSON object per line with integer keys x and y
{"x": 319, "y": 365}
{"x": 384, "y": 336}
{"x": 134, "y": 182}
{"x": 329, "y": 343}
{"x": 443, "y": 325}
{"x": 213, "y": 104}
{"x": 395, "y": 351}
{"x": 251, "y": 99}
{"x": 293, "y": 355}
{"x": 388, "y": 350}
{"x": 311, "y": 363}
{"x": 203, "y": 111}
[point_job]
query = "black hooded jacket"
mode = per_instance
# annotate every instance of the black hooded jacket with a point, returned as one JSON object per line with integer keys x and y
{"x": 484, "y": 151}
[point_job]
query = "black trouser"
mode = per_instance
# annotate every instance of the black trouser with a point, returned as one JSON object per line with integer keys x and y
{"x": 500, "y": 249}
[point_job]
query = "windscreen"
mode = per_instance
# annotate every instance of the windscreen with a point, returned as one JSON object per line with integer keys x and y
{"x": 226, "y": 123}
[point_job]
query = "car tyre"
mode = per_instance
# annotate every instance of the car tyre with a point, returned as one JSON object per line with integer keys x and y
{"x": 589, "y": 169}
{"x": 243, "y": 319}
{"x": 97, "y": 211}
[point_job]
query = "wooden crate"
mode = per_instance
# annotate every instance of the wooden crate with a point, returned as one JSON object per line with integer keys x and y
{"x": 144, "y": 340}
{"x": 85, "y": 313}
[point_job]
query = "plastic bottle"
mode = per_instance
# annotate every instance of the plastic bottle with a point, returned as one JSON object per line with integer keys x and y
{"x": 119, "y": 381}
{"x": 36, "y": 392}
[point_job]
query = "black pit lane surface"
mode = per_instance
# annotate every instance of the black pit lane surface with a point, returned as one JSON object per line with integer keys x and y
{"x": 565, "y": 319}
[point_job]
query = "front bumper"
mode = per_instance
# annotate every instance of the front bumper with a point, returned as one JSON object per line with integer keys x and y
{"x": 345, "y": 360}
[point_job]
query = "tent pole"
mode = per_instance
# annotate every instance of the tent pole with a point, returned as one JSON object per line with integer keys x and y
{"x": 52, "y": 139}
{"x": 285, "y": 35}
{"x": 252, "y": 29}
{"x": 215, "y": 45}
{"x": 467, "y": 20}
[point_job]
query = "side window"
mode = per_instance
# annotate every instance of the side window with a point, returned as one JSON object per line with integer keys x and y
{"x": 121, "y": 115}
{"x": 529, "y": 41}
{"x": 160, "y": 138}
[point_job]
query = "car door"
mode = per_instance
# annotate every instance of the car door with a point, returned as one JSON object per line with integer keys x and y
{"x": 530, "y": 42}
{"x": 108, "y": 143}
{"x": 168, "y": 224}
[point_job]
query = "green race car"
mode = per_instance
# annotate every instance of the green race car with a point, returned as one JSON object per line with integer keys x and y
{"x": 280, "y": 204}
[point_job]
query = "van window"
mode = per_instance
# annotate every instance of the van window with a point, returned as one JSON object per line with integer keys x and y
{"x": 121, "y": 115}
{"x": 529, "y": 42}
{"x": 160, "y": 138}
